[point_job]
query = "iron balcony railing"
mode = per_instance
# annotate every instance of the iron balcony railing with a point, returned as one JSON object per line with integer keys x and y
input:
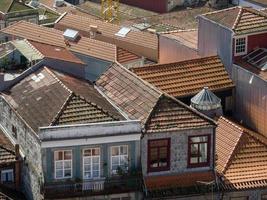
{"x": 93, "y": 187}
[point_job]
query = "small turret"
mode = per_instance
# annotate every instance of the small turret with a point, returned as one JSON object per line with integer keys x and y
{"x": 207, "y": 103}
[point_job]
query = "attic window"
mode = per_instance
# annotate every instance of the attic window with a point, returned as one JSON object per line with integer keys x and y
{"x": 123, "y": 32}
{"x": 258, "y": 58}
{"x": 240, "y": 46}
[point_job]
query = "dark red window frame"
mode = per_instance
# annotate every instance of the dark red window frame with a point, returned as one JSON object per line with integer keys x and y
{"x": 202, "y": 164}
{"x": 157, "y": 169}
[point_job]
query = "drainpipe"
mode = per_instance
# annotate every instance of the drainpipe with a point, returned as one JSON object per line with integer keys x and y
{"x": 17, "y": 167}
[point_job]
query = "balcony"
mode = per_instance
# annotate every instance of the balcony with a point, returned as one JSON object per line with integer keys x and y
{"x": 106, "y": 186}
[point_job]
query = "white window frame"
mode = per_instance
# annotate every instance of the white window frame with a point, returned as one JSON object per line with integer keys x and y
{"x": 3, "y": 172}
{"x": 91, "y": 158}
{"x": 119, "y": 156}
{"x": 63, "y": 163}
{"x": 246, "y": 46}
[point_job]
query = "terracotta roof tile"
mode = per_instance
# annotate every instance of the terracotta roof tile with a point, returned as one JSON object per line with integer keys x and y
{"x": 240, "y": 19}
{"x": 170, "y": 114}
{"x": 124, "y": 56}
{"x": 41, "y": 96}
{"x": 55, "y": 37}
{"x": 131, "y": 94}
{"x": 187, "y": 78}
{"x": 133, "y": 41}
{"x": 56, "y": 52}
{"x": 246, "y": 167}
{"x": 7, "y": 153}
{"x": 188, "y": 179}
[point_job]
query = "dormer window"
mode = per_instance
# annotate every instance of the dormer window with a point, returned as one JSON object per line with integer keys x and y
{"x": 240, "y": 46}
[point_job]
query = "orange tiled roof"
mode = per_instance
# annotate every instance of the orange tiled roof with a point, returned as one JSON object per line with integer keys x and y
{"x": 7, "y": 153}
{"x": 130, "y": 93}
{"x": 240, "y": 19}
{"x": 55, "y": 52}
{"x": 55, "y": 37}
{"x": 246, "y": 166}
{"x": 124, "y": 56}
{"x": 187, "y": 78}
{"x": 177, "y": 181}
{"x": 170, "y": 114}
{"x": 143, "y": 39}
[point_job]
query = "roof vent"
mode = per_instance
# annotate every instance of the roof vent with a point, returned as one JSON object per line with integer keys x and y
{"x": 123, "y": 32}
{"x": 207, "y": 103}
{"x": 70, "y": 34}
{"x": 38, "y": 78}
{"x": 93, "y": 31}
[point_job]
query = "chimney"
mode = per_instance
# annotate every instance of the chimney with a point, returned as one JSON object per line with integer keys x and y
{"x": 93, "y": 31}
{"x": 17, "y": 154}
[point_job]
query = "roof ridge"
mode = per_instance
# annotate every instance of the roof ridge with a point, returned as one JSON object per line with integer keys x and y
{"x": 178, "y": 31}
{"x": 179, "y": 62}
{"x": 220, "y": 11}
{"x": 237, "y": 18}
{"x": 61, "y": 109}
{"x": 10, "y": 6}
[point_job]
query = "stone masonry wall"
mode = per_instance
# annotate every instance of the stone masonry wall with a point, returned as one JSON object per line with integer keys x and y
{"x": 29, "y": 145}
{"x": 178, "y": 150}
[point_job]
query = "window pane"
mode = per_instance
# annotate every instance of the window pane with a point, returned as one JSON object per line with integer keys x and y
{"x": 59, "y": 165}
{"x": 194, "y": 150}
{"x": 115, "y": 160}
{"x": 96, "y": 152}
{"x": 203, "y": 152}
{"x": 123, "y": 150}
{"x": 95, "y": 174}
{"x": 87, "y": 152}
{"x": 67, "y": 155}
{"x": 96, "y": 159}
{"x": 193, "y": 160}
{"x": 59, "y": 173}
{"x": 87, "y": 167}
{"x": 67, "y": 173}
{"x": 67, "y": 164}
{"x": 58, "y": 155}
{"x": 199, "y": 139}
{"x": 115, "y": 151}
{"x": 95, "y": 166}
{"x": 87, "y": 161}
{"x": 87, "y": 175}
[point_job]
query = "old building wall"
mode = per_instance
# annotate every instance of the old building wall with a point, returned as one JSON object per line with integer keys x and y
{"x": 171, "y": 50}
{"x": 18, "y": 131}
{"x": 178, "y": 150}
{"x": 250, "y": 99}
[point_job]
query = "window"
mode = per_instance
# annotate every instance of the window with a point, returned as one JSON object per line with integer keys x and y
{"x": 198, "y": 151}
{"x": 119, "y": 158}
{"x": 63, "y": 164}
{"x": 7, "y": 176}
{"x": 158, "y": 155}
{"x": 240, "y": 46}
{"x": 14, "y": 131}
{"x": 91, "y": 163}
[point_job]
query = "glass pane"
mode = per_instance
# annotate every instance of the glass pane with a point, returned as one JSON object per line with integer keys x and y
{"x": 87, "y": 161}
{"x": 67, "y": 164}
{"x": 59, "y": 173}
{"x": 87, "y": 175}
{"x": 199, "y": 139}
{"x": 87, "y": 152}
{"x": 59, "y": 165}
{"x": 114, "y": 167}
{"x": 95, "y": 174}
{"x": 96, "y": 159}
{"x": 67, "y": 173}
{"x": 87, "y": 167}
{"x": 96, "y": 152}
{"x": 115, "y": 160}
{"x": 95, "y": 166}
{"x": 193, "y": 160}
{"x": 203, "y": 153}
{"x": 67, "y": 155}
{"x": 124, "y": 160}
{"x": 115, "y": 151}
{"x": 124, "y": 150}
{"x": 58, "y": 155}
{"x": 194, "y": 150}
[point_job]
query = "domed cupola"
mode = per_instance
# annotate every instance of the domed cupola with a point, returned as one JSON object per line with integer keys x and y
{"x": 207, "y": 103}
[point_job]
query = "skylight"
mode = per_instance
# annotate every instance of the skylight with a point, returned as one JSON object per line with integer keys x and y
{"x": 123, "y": 32}
{"x": 70, "y": 34}
{"x": 258, "y": 58}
